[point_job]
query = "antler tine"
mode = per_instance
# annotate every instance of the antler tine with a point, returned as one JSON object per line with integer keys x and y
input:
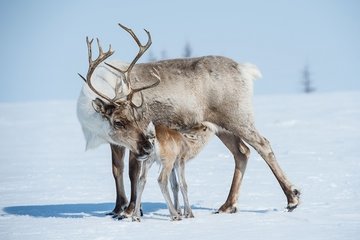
{"x": 88, "y": 43}
{"x": 118, "y": 84}
{"x": 94, "y": 63}
{"x": 142, "y": 48}
{"x": 100, "y": 48}
{"x": 121, "y": 71}
{"x": 155, "y": 73}
{"x": 102, "y": 57}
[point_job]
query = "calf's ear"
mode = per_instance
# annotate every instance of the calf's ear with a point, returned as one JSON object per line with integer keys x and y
{"x": 150, "y": 130}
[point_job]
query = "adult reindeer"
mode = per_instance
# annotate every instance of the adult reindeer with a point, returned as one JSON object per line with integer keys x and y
{"x": 192, "y": 91}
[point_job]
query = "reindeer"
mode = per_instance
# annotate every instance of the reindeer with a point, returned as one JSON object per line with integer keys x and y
{"x": 179, "y": 94}
{"x": 172, "y": 149}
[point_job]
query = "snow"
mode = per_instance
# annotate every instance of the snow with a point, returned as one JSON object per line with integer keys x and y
{"x": 50, "y": 188}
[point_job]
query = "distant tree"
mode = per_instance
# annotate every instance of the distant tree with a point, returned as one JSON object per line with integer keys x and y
{"x": 307, "y": 81}
{"x": 187, "y": 50}
{"x": 163, "y": 54}
{"x": 152, "y": 57}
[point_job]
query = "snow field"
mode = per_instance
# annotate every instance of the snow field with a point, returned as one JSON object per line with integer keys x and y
{"x": 51, "y": 189}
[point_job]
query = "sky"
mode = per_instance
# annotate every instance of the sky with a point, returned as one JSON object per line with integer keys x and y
{"x": 42, "y": 43}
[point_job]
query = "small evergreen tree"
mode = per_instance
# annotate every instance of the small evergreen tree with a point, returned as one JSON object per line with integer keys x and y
{"x": 187, "y": 50}
{"x": 152, "y": 57}
{"x": 307, "y": 81}
{"x": 164, "y": 54}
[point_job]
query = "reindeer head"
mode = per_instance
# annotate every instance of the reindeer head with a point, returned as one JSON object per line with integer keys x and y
{"x": 122, "y": 113}
{"x": 125, "y": 130}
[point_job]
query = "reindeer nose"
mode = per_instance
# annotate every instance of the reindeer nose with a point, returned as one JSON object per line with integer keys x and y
{"x": 147, "y": 147}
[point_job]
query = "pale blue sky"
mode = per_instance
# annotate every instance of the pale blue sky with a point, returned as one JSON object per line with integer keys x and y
{"x": 43, "y": 42}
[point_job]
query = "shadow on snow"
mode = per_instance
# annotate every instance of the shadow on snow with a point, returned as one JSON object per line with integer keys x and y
{"x": 79, "y": 210}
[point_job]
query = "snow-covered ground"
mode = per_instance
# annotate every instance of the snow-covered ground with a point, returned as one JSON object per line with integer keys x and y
{"x": 51, "y": 189}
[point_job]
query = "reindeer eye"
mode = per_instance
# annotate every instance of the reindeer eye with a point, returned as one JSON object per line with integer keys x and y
{"x": 119, "y": 124}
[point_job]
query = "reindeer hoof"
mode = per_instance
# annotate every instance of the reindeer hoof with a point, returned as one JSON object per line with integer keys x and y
{"x": 176, "y": 218}
{"x": 295, "y": 201}
{"x": 135, "y": 219}
{"x": 117, "y": 210}
{"x": 114, "y": 212}
{"x": 227, "y": 209}
{"x": 120, "y": 217}
{"x": 189, "y": 215}
{"x": 291, "y": 207}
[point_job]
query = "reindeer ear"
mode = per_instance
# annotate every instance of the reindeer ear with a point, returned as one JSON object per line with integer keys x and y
{"x": 150, "y": 130}
{"x": 101, "y": 107}
{"x": 98, "y": 105}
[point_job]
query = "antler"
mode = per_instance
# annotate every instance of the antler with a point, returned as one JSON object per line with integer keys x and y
{"x": 94, "y": 63}
{"x": 103, "y": 56}
{"x": 155, "y": 73}
{"x": 142, "y": 50}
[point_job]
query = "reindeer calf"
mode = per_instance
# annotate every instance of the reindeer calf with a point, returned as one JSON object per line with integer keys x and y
{"x": 172, "y": 149}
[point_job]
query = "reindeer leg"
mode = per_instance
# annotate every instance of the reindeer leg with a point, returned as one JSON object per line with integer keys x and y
{"x": 145, "y": 166}
{"x": 241, "y": 154}
{"x": 163, "y": 183}
{"x": 117, "y": 155}
{"x": 262, "y": 146}
{"x": 175, "y": 189}
{"x": 184, "y": 190}
{"x": 134, "y": 171}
